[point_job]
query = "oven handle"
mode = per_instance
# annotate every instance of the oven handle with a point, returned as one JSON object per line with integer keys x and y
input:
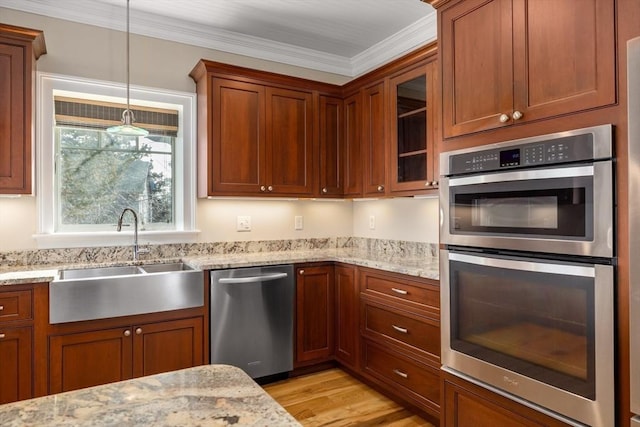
{"x": 571, "y": 172}
{"x": 536, "y": 267}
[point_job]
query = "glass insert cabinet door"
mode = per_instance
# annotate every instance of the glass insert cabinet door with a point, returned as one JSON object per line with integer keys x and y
{"x": 412, "y": 130}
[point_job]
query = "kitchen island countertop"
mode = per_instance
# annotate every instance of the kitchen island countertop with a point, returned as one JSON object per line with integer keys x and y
{"x": 209, "y": 395}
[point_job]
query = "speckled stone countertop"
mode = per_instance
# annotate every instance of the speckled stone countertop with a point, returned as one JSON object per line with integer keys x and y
{"x": 209, "y": 395}
{"x": 422, "y": 266}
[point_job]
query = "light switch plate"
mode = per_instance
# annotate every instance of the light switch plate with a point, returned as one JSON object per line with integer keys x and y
{"x": 298, "y": 222}
{"x": 372, "y": 222}
{"x": 243, "y": 223}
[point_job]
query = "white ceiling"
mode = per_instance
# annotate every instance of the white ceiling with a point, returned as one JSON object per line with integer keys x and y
{"x": 347, "y": 37}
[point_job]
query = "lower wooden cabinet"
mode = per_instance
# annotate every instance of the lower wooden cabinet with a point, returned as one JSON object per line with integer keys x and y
{"x": 400, "y": 331}
{"x": 404, "y": 377}
{"x": 18, "y": 340}
{"x": 16, "y": 369}
{"x": 314, "y": 314}
{"x": 466, "y": 404}
{"x": 86, "y": 359}
{"x": 347, "y": 326}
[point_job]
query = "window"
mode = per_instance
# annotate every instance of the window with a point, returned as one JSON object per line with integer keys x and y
{"x": 87, "y": 176}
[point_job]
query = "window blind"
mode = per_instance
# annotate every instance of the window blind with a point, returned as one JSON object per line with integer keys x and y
{"x": 87, "y": 113}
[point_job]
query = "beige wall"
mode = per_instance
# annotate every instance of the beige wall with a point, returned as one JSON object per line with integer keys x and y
{"x": 97, "y": 53}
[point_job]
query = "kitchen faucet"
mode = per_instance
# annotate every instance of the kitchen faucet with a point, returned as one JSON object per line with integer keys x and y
{"x": 136, "y": 248}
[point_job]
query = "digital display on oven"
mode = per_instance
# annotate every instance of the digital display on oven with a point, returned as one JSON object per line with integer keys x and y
{"x": 510, "y": 157}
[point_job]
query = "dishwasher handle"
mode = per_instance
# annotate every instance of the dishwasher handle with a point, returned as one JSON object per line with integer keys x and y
{"x": 252, "y": 279}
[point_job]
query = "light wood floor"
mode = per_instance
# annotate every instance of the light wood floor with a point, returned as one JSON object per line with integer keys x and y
{"x": 334, "y": 398}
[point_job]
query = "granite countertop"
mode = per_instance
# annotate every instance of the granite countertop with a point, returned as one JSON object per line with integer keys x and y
{"x": 426, "y": 267}
{"x": 209, "y": 395}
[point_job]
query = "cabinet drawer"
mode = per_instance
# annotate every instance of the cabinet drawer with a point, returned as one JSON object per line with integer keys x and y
{"x": 393, "y": 368}
{"x": 424, "y": 295}
{"x": 15, "y": 306}
{"x": 417, "y": 331}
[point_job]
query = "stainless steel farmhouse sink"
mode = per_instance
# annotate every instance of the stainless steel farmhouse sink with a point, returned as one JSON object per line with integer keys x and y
{"x": 103, "y": 292}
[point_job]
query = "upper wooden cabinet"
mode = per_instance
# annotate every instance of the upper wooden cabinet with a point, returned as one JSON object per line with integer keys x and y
{"x": 19, "y": 50}
{"x": 374, "y": 140}
{"x": 331, "y": 152}
{"x": 255, "y": 132}
{"x": 412, "y": 119}
{"x": 353, "y": 145}
{"x": 506, "y": 62}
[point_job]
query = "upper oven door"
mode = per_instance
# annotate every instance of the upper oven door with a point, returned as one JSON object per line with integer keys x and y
{"x": 566, "y": 210}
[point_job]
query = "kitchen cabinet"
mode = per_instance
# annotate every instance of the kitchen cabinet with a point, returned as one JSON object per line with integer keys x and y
{"x": 347, "y": 320}
{"x": 16, "y": 345}
{"x": 256, "y": 132}
{"x": 331, "y": 141}
{"x": 315, "y": 303}
{"x": 353, "y": 145}
{"x": 16, "y": 357}
{"x": 84, "y": 359}
{"x": 289, "y": 142}
{"x": 400, "y": 328}
{"x": 510, "y": 62}
{"x": 19, "y": 50}
{"x": 413, "y": 164}
{"x": 466, "y": 404}
{"x": 374, "y": 140}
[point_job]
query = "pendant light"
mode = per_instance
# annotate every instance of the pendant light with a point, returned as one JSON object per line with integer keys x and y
{"x": 127, "y": 127}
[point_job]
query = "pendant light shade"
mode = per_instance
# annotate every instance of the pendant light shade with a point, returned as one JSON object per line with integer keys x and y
{"x": 127, "y": 127}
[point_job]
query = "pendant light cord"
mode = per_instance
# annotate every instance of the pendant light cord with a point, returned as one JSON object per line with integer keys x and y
{"x": 128, "y": 57}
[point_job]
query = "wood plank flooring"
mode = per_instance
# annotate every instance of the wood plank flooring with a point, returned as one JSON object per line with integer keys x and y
{"x": 334, "y": 398}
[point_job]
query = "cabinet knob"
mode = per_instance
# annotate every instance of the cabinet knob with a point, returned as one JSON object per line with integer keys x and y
{"x": 263, "y": 188}
{"x": 1, "y": 307}
{"x": 517, "y": 115}
{"x": 2, "y": 336}
{"x": 504, "y": 118}
{"x": 399, "y": 373}
{"x": 380, "y": 187}
{"x": 127, "y": 333}
{"x": 301, "y": 272}
{"x": 434, "y": 184}
{"x": 270, "y": 188}
{"x": 138, "y": 331}
{"x": 325, "y": 190}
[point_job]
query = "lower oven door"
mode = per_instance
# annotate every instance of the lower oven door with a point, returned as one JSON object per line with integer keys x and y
{"x": 538, "y": 329}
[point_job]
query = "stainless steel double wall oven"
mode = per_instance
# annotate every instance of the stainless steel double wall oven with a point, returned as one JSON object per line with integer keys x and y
{"x": 527, "y": 272}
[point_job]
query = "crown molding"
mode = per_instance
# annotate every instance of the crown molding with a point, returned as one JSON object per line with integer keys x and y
{"x": 418, "y": 34}
{"x": 153, "y": 25}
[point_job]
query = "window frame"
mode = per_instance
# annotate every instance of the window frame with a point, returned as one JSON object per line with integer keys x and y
{"x": 48, "y": 85}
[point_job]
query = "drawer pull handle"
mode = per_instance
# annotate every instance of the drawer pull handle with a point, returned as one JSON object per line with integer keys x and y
{"x": 399, "y": 291}
{"x": 2, "y": 336}
{"x": 399, "y": 329}
{"x": 400, "y": 373}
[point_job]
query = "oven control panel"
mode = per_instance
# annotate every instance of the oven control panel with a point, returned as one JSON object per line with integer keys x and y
{"x": 558, "y": 150}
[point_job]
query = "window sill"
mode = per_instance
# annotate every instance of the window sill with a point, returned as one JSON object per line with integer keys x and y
{"x": 112, "y": 238}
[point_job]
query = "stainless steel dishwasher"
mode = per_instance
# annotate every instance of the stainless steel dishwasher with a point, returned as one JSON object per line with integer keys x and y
{"x": 252, "y": 319}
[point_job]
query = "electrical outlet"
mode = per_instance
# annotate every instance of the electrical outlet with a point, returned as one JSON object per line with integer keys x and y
{"x": 243, "y": 223}
{"x": 372, "y": 222}
{"x": 298, "y": 222}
